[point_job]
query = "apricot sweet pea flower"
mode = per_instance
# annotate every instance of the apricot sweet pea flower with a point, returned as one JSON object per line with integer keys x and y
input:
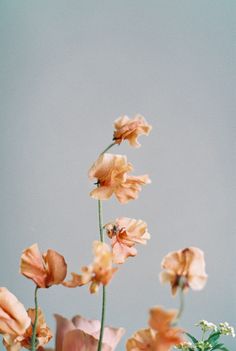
{"x": 111, "y": 172}
{"x": 14, "y": 319}
{"x": 99, "y": 272}
{"x": 45, "y": 269}
{"x": 161, "y": 336}
{"x": 185, "y": 269}
{"x": 80, "y": 334}
{"x": 130, "y": 129}
{"x": 125, "y": 233}
{"x": 43, "y": 334}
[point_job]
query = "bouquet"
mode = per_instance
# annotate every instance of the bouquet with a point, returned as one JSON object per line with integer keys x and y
{"x": 118, "y": 241}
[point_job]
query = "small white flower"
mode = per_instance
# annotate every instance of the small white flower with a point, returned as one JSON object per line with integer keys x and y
{"x": 185, "y": 346}
{"x": 206, "y": 326}
{"x": 226, "y": 329}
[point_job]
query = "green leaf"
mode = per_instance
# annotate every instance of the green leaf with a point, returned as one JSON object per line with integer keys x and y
{"x": 213, "y": 338}
{"x": 223, "y": 348}
{"x": 216, "y": 347}
{"x": 194, "y": 340}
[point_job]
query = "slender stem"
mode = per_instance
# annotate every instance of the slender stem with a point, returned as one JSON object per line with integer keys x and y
{"x": 34, "y": 339}
{"x": 107, "y": 148}
{"x": 100, "y": 220}
{"x": 102, "y": 317}
{"x": 181, "y": 305}
{"x": 101, "y": 233}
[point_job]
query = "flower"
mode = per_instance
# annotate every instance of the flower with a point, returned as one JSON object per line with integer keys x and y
{"x": 43, "y": 334}
{"x": 184, "y": 268}
{"x": 206, "y": 326}
{"x": 124, "y": 234}
{"x": 14, "y": 319}
{"x": 226, "y": 329}
{"x": 130, "y": 129}
{"x": 45, "y": 269}
{"x": 80, "y": 334}
{"x": 161, "y": 336}
{"x": 111, "y": 172}
{"x": 99, "y": 272}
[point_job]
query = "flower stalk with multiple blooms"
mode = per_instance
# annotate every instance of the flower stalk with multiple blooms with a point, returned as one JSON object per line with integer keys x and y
{"x": 183, "y": 270}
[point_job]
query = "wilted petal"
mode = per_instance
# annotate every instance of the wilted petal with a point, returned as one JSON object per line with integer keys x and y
{"x": 186, "y": 268}
{"x": 130, "y": 129}
{"x": 125, "y": 233}
{"x": 56, "y": 267}
{"x": 130, "y": 189}
{"x": 44, "y": 269}
{"x": 142, "y": 340}
{"x": 121, "y": 252}
{"x": 111, "y": 172}
{"x": 43, "y": 332}
{"x": 14, "y": 319}
{"x": 32, "y": 266}
{"x": 160, "y": 319}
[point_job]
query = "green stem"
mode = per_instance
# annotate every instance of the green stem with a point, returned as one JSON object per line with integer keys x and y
{"x": 101, "y": 233}
{"x": 108, "y": 148}
{"x": 34, "y": 339}
{"x": 102, "y": 317}
{"x": 181, "y": 305}
{"x": 100, "y": 220}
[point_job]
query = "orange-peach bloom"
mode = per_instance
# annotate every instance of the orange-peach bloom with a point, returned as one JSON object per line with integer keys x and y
{"x": 43, "y": 334}
{"x": 99, "y": 272}
{"x": 14, "y": 319}
{"x": 111, "y": 172}
{"x": 184, "y": 269}
{"x": 161, "y": 336}
{"x": 130, "y": 129}
{"x": 80, "y": 334}
{"x": 124, "y": 234}
{"x": 44, "y": 269}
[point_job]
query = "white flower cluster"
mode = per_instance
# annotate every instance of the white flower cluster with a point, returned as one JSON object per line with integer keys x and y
{"x": 206, "y": 326}
{"x": 226, "y": 329}
{"x": 185, "y": 346}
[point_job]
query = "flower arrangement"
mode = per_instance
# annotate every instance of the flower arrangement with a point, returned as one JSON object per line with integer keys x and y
{"x": 183, "y": 270}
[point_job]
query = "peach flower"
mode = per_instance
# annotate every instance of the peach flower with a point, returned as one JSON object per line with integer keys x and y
{"x": 43, "y": 334}
{"x": 111, "y": 172}
{"x": 14, "y": 319}
{"x": 185, "y": 268}
{"x": 45, "y": 269}
{"x": 99, "y": 272}
{"x": 80, "y": 334}
{"x": 161, "y": 336}
{"x": 125, "y": 233}
{"x": 130, "y": 129}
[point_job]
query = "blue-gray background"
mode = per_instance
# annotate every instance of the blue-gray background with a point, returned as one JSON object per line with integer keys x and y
{"x": 68, "y": 69}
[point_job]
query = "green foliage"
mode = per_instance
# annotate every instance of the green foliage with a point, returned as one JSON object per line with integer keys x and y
{"x": 208, "y": 342}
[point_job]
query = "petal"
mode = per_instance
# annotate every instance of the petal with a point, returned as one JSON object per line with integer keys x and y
{"x": 160, "y": 319}
{"x": 14, "y": 319}
{"x": 63, "y": 327}
{"x": 112, "y": 336}
{"x": 78, "y": 279}
{"x": 121, "y": 252}
{"x": 56, "y": 267}
{"x": 142, "y": 340}
{"x": 77, "y": 340}
{"x": 91, "y": 327}
{"x": 102, "y": 193}
{"x": 32, "y": 266}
